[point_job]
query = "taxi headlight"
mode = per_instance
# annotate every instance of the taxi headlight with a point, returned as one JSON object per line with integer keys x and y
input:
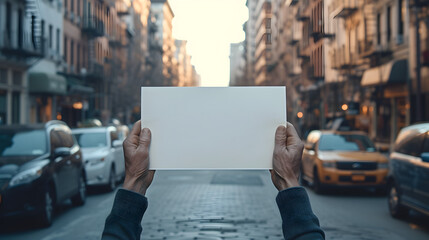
{"x": 329, "y": 164}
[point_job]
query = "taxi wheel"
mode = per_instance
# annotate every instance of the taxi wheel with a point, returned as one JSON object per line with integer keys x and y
{"x": 396, "y": 209}
{"x": 111, "y": 186}
{"x": 302, "y": 181}
{"x": 317, "y": 185}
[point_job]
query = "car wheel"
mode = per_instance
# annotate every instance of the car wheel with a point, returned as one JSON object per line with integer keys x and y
{"x": 302, "y": 181}
{"x": 396, "y": 209}
{"x": 46, "y": 217}
{"x": 317, "y": 185}
{"x": 111, "y": 186}
{"x": 80, "y": 197}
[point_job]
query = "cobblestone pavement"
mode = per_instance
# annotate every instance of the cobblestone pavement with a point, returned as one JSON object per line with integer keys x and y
{"x": 226, "y": 205}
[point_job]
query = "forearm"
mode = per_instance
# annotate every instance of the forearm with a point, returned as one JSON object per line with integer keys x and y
{"x": 124, "y": 221}
{"x": 299, "y": 221}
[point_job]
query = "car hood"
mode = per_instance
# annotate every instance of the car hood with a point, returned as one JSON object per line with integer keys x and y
{"x": 89, "y": 153}
{"x": 351, "y": 156}
{"x": 9, "y": 166}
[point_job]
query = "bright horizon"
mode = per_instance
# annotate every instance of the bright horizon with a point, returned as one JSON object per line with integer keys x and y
{"x": 209, "y": 32}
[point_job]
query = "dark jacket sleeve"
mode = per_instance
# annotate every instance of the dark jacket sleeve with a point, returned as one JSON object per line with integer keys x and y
{"x": 124, "y": 222}
{"x": 299, "y": 221}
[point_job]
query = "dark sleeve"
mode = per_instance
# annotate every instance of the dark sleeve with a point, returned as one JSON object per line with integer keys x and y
{"x": 299, "y": 221}
{"x": 124, "y": 221}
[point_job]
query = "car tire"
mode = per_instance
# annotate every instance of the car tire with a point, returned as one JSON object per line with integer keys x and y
{"x": 80, "y": 197}
{"x": 47, "y": 215}
{"x": 302, "y": 181}
{"x": 317, "y": 185}
{"x": 396, "y": 209}
{"x": 111, "y": 185}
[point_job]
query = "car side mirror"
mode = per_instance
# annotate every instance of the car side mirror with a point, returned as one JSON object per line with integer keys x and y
{"x": 62, "y": 152}
{"x": 309, "y": 146}
{"x": 116, "y": 143}
{"x": 425, "y": 157}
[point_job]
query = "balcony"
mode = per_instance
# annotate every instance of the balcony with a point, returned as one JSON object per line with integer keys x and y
{"x": 93, "y": 26}
{"x": 344, "y": 8}
{"x": 22, "y": 45}
{"x": 293, "y": 42}
{"x": 368, "y": 49}
{"x": 318, "y": 34}
{"x": 95, "y": 70}
{"x": 342, "y": 59}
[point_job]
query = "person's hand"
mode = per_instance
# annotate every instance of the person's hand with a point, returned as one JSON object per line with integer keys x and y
{"x": 138, "y": 177}
{"x": 286, "y": 158}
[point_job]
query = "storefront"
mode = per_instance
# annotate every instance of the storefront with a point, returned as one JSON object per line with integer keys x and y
{"x": 385, "y": 104}
{"x": 45, "y": 91}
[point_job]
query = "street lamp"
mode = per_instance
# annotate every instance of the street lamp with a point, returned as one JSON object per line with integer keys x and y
{"x": 344, "y": 107}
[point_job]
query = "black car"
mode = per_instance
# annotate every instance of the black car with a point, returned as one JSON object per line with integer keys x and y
{"x": 409, "y": 171}
{"x": 40, "y": 166}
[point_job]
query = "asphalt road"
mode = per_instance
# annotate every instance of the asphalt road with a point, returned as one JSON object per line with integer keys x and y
{"x": 225, "y": 205}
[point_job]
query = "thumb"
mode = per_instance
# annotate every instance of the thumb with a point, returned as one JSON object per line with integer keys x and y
{"x": 280, "y": 138}
{"x": 145, "y": 138}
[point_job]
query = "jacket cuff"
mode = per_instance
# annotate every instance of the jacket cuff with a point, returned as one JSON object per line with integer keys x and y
{"x": 129, "y": 205}
{"x": 297, "y": 215}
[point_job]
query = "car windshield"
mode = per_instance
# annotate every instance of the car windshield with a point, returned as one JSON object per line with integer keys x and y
{"x": 90, "y": 140}
{"x": 346, "y": 142}
{"x": 28, "y": 142}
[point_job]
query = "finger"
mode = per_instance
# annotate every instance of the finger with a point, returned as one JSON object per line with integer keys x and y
{"x": 292, "y": 136}
{"x": 280, "y": 137}
{"x": 133, "y": 137}
{"x": 145, "y": 137}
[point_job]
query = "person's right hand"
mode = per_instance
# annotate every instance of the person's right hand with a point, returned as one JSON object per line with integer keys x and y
{"x": 286, "y": 157}
{"x": 138, "y": 177}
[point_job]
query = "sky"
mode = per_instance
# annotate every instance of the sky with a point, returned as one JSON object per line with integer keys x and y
{"x": 210, "y": 26}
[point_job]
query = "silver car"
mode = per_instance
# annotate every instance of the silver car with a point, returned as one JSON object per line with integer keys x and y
{"x": 102, "y": 154}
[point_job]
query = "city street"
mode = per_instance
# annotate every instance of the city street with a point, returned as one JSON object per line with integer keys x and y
{"x": 226, "y": 205}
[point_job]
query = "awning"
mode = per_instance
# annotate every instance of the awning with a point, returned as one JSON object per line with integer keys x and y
{"x": 391, "y": 73}
{"x": 49, "y": 83}
{"x": 75, "y": 86}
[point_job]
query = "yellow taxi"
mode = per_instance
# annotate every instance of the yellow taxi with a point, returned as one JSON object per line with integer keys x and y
{"x": 342, "y": 159}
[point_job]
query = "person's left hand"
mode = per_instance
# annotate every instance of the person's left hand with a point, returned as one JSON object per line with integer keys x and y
{"x": 138, "y": 177}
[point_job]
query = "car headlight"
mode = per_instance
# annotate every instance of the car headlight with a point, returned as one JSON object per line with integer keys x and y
{"x": 383, "y": 165}
{"x": 95, "y": 161}
{"x": 26, "y": 176}
{"x": 329, "y": 164}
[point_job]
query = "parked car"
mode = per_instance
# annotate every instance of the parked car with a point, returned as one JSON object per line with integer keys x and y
{"x": 342, "y": 159}
{"x": 40, "y": 166}
{"x": 102, "y": 154}
{"x": 409, "y": 173}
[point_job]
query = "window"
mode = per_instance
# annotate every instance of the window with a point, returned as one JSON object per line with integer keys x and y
{"x": 20, "y": 29}
{"x": 50, "y": 36}
{"x": 113, "y": 136}
{"x": 42, "y": 27}
{"x": 378, "y": 28}
{"x": 72, "y": 53}
{"x": 389, "y": 24}
{"x": 426, "y": 144}
{"x": 8, "y": 22}
{"x": 3, "y": 106}
{"x": 58, "y": 41}
{"x": 401, "y": 19}
{"x": 15, "y": 143}
{"x": 16, "y": 107}
{"x": 71, "y": 5}
{"x": 3, "y": 76}
{"x": 78, "y": 57}
{"x": 90, "y": 140}
{"x": 411, "y": 145}
{"x": 336, "y": 142}
{"x": 61, "y": 138}
{"x": 17, "y": 78}
{"x": 65, "y": 48}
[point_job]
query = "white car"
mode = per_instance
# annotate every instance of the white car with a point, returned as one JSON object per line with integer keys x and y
{"x": 102, "y": 154}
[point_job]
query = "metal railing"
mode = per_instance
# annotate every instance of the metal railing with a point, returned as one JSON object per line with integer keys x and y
{"x": 22, "y": 44}
{"x": 93, "y": 26}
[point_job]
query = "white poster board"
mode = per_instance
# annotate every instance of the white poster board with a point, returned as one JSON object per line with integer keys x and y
{"x": 212, "y": 127}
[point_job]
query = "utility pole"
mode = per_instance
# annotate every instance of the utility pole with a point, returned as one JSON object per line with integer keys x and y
{"x": 418, "y": 63}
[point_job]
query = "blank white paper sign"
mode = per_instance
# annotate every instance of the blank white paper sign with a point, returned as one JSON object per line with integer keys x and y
{"x": 212, "y": 127}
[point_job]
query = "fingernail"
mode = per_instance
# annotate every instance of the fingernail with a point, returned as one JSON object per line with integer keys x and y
{"x": 145, "y": 131}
